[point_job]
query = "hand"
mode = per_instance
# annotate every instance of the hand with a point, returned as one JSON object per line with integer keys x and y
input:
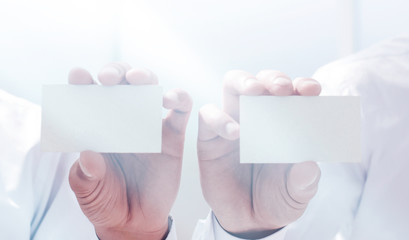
{"x": 251, "y": 200}
{"x": 129, "y": 196}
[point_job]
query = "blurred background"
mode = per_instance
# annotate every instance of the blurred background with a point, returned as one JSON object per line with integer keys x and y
{"x": 188, "y": 44}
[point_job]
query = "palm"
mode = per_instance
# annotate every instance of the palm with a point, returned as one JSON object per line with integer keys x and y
{"x": 255, "y": 189}
{"x": 129, "y": 193}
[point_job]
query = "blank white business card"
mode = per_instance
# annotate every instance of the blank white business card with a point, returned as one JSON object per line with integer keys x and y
{"x": 121, "y": 119}
{"x": 298, "y": 128}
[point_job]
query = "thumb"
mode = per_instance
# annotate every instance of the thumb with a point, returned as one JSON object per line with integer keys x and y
{"x": 86, "y": 173}
{"x": 302, "y": 181}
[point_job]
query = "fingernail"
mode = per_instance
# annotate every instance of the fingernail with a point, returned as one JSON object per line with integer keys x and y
{"x": 232, "y": 128}
{"x": 84, "y": 170}
{"x": 310, "y": 177}
{"x": 282, "y": 81}
{"x": 79, "y": 76}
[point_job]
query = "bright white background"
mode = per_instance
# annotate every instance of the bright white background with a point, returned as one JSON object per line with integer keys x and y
{"x": 188, "y": 44}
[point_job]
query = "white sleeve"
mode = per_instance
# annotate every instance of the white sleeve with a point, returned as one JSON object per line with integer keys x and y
{"x": 36, "y": 201}
{"x": 19, "y": 131}
{"x": 210, "y": 229}
{"x": 56, "y": 213}
{"x": 358, "y": 201}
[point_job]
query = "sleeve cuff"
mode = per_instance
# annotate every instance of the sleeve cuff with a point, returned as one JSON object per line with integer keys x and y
{"x": 172, "y": 230}
{"x": 221, "y": 234}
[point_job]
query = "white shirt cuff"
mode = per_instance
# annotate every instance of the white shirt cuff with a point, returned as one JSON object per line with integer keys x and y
{"x": 221, "y": 234}
{"x": 172, "y": 231}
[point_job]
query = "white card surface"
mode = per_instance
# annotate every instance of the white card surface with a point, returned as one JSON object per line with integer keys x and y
{"x": 121, "y": 119}
{"x": 299, "y": 128}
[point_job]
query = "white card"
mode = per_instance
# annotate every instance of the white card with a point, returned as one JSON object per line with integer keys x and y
{"x": 297, "y": 128}
{"x": 121, "y": 119}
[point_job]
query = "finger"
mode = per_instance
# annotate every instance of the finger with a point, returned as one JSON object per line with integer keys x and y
{"x": 86, "y": 172}
{"x": 113, "y": 74}
{"x": 302, "y": 181}
{"x": 238, "y": 83}
{"x": 213, "y": 123}
{"x": 276, "y": 82}
{"x": 307, "y": 87}
{"x": 141, "y": 76}
{"x": 179, "y": 103}
{"x": 79, "y": 76}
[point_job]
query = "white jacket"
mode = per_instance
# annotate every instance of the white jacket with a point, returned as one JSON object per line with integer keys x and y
{"x": 355, "y": 201}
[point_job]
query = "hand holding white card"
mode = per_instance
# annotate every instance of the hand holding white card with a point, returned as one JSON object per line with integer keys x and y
{"x": 138, "y": 187}
{"x": 296, "y": 129}
{"x": 122, "y": 118}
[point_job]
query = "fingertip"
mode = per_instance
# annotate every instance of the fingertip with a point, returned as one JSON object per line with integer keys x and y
{"x": 302, "y": 181}
{"x": 84, "y": 170}
{"x": 86, "y": 173}
{"x": 232, "y": 131}
{"x": 109, "y": 76}
{"x": 185, "y": 100}
{"x": 202, "y": 110}
{"x": 141, "y": 76}
{"x": 170, "y": 99}
{"x": 305, "y": 174}
{"x": 281, "y": 86}
{"x": 213, "y": 123}
{"x": 177, "y": 99}
{"x": 217, "y": 123}
{"x": 79, "y": 76}
{"x": 307, "y": 87}
{"x": 92, "y": 165}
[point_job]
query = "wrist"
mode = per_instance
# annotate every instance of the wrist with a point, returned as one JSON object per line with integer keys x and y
{"x": 119, "y": 234}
